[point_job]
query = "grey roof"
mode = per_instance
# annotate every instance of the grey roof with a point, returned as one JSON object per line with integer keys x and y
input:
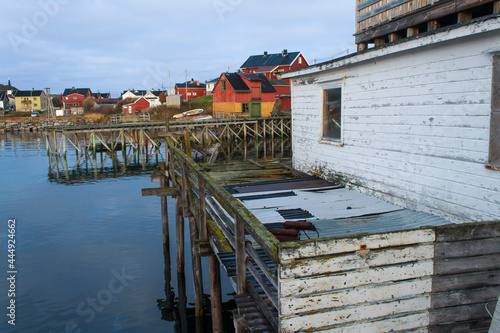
{"x": 103, "y": 95}
{"x": 266, "y": 85}
{"x": 29, "y": 93}
{"x": 158, "y": 92}
{"x": 279, "y": 82}
{"x": 236, "y": 82}
{"x": 277, "y": 59}
{"x": 190, "y": 85}
{"x": 80, "y": 91}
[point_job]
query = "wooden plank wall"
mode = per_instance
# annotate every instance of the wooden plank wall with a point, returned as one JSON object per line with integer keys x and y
{"x": 371, "y": 12}
{"x": 466, "y": 277}
{"x": 403, "y": 281}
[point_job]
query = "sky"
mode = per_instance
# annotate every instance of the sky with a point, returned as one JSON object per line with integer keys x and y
{"x": 112, "y": 46}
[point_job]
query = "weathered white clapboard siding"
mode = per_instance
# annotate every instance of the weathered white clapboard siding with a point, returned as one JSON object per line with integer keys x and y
{"x": 416, "y": 118}
{"x": 435, "y": 279}
{"x": 340, "y": 283}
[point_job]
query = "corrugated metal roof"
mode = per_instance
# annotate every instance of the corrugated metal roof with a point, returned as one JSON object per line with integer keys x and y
{"x": 334, "y": 211}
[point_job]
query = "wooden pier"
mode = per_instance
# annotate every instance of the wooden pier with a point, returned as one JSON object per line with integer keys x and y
{"x": 146, "y": 136}
{"x": 360, "y": 270}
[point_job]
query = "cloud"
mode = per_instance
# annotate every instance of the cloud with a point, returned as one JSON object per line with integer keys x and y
{"x": 116, "y": 43}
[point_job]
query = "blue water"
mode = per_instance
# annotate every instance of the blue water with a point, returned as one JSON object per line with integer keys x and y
{"x": 89, "y": 250}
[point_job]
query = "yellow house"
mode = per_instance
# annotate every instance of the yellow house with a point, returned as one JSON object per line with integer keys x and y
{"x": 31, "y": 100}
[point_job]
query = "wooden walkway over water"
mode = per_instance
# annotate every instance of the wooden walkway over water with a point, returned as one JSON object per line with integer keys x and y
{"x": 393, "y": 270}
{"x": 146, "y": 136}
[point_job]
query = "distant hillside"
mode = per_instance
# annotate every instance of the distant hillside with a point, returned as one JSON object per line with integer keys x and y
{"x": 4, "y": 88}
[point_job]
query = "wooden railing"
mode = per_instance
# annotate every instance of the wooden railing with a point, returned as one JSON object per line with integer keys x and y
{"x": 124, "y": 118}
{"x": 201, "y": 196}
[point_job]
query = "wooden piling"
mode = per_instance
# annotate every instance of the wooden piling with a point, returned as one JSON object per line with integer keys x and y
{"x": 215, "y": 294}
{"x": 179, "y": 234}
{"x": 240, "y": 255}
{"x": 197, "y": 269}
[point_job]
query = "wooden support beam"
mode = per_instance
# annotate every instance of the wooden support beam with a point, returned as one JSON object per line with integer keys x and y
{"x": 197, "y": 269}
{"x": 394, "y": 37}
{"x": 160, "y": 192}
{"x": 241, "y": 262}
{"x": 496, "y": 7}
{"x": 433, "y": 25}
{"x": 203, "y": 209}
{"x": 379, "y": 41}
{"x": 362, "y": 47}
{"x": 464, "y": 16}
{"x": 179, "y": 234}
{"x": 164, "y": 219}
{"x": 204, "y": 248}
{"x": 413, "y": 31}
{"x": 215, "y": 294}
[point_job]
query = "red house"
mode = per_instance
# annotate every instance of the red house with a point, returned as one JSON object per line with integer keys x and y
{"x": 137, "y": 105}
{"x": 283, "y": 93}
{"x": 73, "y": 99}
{"x": 272, "y": 64}
{"x": 190, "y": 90}
{"x": 244, "y": 94}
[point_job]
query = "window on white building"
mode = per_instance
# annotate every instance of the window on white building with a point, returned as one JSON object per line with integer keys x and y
{"x": 332, "y": 114}
{"x": 494, "y": 151}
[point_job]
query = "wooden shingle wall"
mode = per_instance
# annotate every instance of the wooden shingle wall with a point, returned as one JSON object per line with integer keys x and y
{"x": 402, "y": 281}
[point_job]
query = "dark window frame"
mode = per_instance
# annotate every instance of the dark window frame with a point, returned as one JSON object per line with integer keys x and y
{"x": 494, "y": 142}
{"x": 332, "y": 114}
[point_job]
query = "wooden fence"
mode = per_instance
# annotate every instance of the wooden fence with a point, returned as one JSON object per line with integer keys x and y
{"x": 127, "y": 118}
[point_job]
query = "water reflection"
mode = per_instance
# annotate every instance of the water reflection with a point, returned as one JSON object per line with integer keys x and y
{"x": 104, "y": 165}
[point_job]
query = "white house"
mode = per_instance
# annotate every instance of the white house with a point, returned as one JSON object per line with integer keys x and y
{"x": 132, "y": 93}
{"x": 210, "y": 85}
{"x": 153, "y": 97}
{"x": 415, "y": 122}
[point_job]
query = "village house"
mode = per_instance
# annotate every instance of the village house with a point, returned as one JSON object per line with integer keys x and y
{"x": 271, "y": 65}
{"x": 138, "y": 104}
{"x": 100, "y": 96}
{"x": 239, "y": 94}
{"x": 132, "y": 93}
{"x": 190, "y": 90}
{"x": 30, "y": 100}
{"x": 210, "y": 85}
{"x": 4, "y": 101}
{"x": 153, "y": 97}
{"x": 73, "y": 99}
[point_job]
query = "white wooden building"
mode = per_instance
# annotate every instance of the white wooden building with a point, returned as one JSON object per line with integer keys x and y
{"x": 414, "y": 122}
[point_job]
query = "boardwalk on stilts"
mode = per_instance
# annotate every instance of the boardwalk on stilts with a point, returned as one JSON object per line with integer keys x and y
{"x": 147, "y": 135}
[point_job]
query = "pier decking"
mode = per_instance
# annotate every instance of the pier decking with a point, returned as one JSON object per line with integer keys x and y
{"x": 367, "y": 265}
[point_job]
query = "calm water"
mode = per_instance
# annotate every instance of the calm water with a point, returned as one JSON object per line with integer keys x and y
{"x": 89, "y": 251}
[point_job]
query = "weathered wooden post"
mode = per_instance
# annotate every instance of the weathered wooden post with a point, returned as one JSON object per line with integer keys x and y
{"x": 197, "y": 270}
{"x": 215, "y": 294}
{"x": 179, "y": 233}
{"x": 47, "y": 144}
{"x": 187, "y": 142}
{"x": 64, "y": 143}
{"x": 241, "y": 269}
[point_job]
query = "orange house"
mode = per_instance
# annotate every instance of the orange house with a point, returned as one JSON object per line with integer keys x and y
{"x": 244, "y": 94}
